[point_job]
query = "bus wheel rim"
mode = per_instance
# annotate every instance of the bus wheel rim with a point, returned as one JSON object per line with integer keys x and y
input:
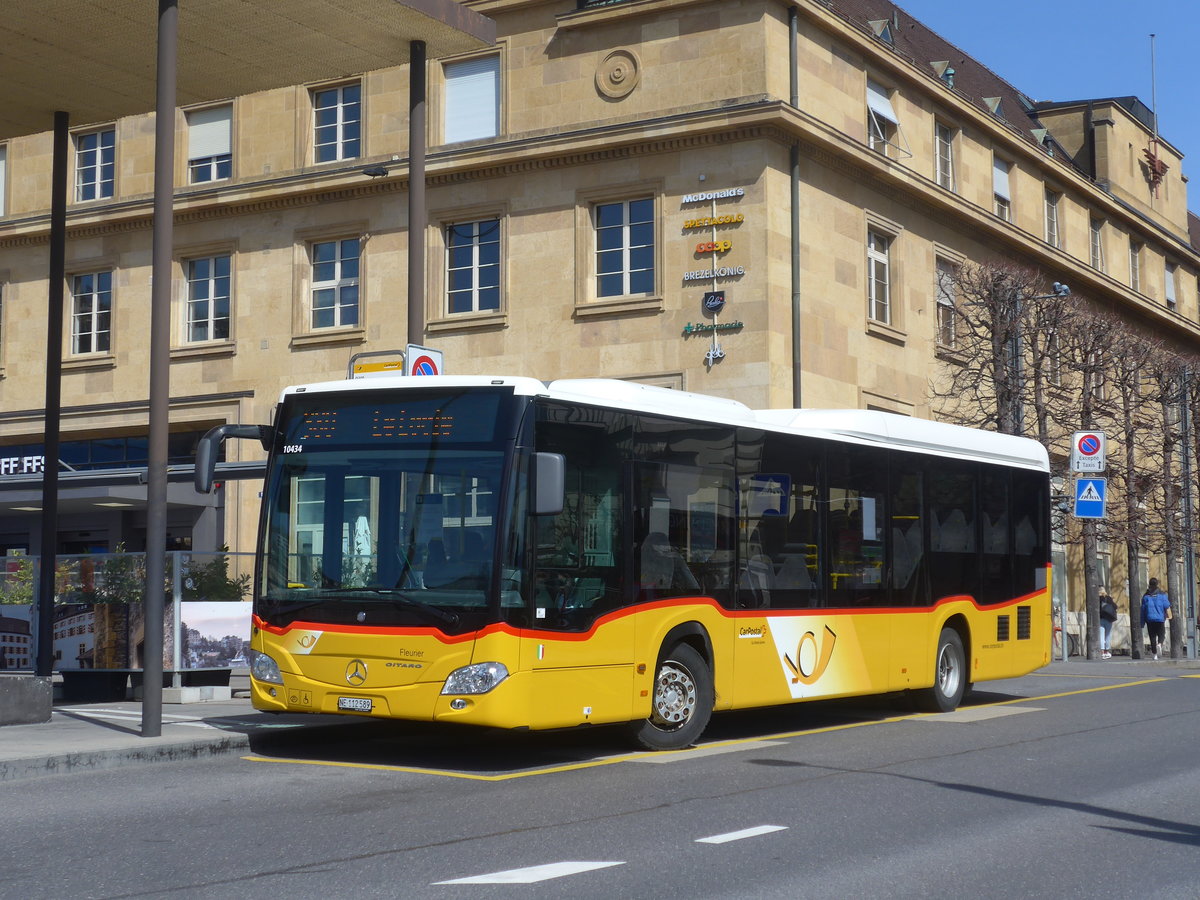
{"x": 948, "y": 673}
{"x": 674, "y": 695}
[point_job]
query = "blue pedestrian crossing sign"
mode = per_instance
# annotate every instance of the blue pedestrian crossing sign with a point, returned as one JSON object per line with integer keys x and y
{"x": 1090, "y": 496}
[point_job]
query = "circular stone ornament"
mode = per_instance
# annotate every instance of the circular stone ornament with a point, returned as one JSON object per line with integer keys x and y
{"x": 618, "y": 74}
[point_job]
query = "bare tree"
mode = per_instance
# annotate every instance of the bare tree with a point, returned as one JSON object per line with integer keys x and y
{"x": 1165, "y": 383}
{"x": 999, "y": 340}
{"x": 1129, "y": 360}
{"x": 1087, "y": 335}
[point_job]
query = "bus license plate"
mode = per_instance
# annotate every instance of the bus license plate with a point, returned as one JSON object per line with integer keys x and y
{"x": 357, "y": 704}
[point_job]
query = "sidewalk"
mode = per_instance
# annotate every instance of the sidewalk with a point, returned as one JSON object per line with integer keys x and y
{"x": 91, "y": 737}
{"x": 94, "y": 736}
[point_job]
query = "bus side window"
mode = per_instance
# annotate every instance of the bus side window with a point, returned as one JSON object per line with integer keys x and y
{"x": 779, "y": 555}
{"x": 684, "y": 488}
{"x": 1031, "y": 544}
{"x": 996, "y": 543}
{"x": 578, "y": 555}
{"x": 909, "y": 568}
{"x": 953, "y": 545}
{"x": 856, "y": 526}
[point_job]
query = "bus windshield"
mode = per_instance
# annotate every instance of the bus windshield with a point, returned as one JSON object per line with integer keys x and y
{"x": 384, "y": 511}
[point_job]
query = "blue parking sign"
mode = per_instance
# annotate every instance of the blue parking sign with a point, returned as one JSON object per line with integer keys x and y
{"x": 1090, "y": 496}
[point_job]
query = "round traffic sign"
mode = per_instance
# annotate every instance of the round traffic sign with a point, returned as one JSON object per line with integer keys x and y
{"x": 424, "y": 365}
{"x": 1089, "y": 445}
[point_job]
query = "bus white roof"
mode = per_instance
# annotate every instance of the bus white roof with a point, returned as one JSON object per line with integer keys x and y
{"x": 908, "y": 433}
{"x": 852, "y": 425}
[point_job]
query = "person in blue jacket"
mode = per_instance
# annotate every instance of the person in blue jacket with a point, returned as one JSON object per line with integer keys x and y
{"x": 1156, "y": 610}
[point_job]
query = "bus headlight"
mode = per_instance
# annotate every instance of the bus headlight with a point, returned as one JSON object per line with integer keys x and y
{"x": 477, "y": 679}
{"x": 263, "y": 668}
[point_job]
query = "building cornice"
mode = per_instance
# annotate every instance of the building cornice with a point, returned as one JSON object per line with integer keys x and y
{"x": 683, "y": 130}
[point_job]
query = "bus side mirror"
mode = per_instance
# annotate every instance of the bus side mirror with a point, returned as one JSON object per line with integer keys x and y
{"x": 549, "y": 483}
{"x": 206, "y": 450}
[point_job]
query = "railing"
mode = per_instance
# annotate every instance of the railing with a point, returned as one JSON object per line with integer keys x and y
{"x": 98, "y": 610}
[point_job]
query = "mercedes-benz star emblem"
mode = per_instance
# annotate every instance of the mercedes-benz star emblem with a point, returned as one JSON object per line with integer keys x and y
{"x": 356, "y": 672}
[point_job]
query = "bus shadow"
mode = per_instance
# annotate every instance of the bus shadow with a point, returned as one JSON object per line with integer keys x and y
{"x": 485, "y": 752}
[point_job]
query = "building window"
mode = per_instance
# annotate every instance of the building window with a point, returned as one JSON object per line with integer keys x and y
{"x": 1169, "y": 283}
{"x": 879, "y": 301}
{"x": 1001, "y": 195}
{"x": 1054, "y": 367}
{"x": 624, "y": 247}
{"x": 472, "y": 99}
{"x": 473, "y": 267}
{"x": 1095, "y": 377}
{"x": 335, "y": 283}
{"x": 208, "y": 299}
{"x": 944, "y": 139}
{"x": 882, "y": 122}
{"x": 210, "y": 148}
{"x": 95, "y": 164}
{"x": 1135, "y": 266}
{"x": 337, "y": 122}
{"x": 946, "y": 289}
{"x": 3, "y": 178}
{"x": 1052, "y": 233}
{"x": 91, "y": 312}
{"x": 1096, "y": 229}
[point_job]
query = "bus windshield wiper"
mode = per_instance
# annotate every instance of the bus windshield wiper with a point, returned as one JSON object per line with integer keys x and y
{"x": 292, "y": 606}
{"x": 400, "y": 599}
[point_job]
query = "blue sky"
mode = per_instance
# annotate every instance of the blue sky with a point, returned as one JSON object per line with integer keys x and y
{"x": 1077, "y": 49}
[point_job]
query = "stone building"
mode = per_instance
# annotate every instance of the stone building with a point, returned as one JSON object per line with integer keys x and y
{"x": 589, "y": 181}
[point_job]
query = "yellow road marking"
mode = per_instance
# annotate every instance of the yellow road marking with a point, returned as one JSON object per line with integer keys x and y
{"x": 703, "y": 750}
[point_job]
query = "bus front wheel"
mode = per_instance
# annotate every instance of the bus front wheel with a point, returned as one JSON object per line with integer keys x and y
{"x": 949, "y": 675}
{"x": 681, "y": 704}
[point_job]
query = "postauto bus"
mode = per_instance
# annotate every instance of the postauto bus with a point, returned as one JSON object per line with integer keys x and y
{"x": 516, "y": 554}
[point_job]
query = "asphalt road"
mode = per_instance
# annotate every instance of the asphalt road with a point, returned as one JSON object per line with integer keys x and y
{"x": 1046, "y": 786}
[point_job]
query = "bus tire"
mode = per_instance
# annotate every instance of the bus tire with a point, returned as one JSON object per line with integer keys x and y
{"x": 681, "y": 704}
{"x": 949, "y": 675}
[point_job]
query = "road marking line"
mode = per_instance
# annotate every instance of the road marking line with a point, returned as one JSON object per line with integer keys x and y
{"x": 639, "y": 757}
{"x": 533, "y": 874}
{"x": 980, "y": 713}
{"x": 741, "y": 835}
{"x": 671, "y": 756}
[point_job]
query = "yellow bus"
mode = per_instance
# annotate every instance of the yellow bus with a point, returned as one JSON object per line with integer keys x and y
{"x": 510, "y": 553}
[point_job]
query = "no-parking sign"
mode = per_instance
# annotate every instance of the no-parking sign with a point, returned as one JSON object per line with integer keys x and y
{"x": 1087, "y": 451}
{"x": 423, "y": 361}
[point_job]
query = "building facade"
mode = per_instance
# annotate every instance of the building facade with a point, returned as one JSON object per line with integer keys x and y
{"x": 591, "y": 182}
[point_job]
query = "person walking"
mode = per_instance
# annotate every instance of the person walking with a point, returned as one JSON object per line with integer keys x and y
{"x": 1108, "y": 615}
{"x": 1156, "y": 610}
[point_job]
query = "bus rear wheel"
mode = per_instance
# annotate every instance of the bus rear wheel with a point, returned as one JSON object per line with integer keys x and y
{"x": 949, "y": 675}
{"x": 681, "y": 704}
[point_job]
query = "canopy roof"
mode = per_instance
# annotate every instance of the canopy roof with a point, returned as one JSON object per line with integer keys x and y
{"x": 96, "y": 59}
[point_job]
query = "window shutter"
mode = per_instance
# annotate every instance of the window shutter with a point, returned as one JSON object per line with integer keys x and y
{"x": 879, "y": 102}
{"x": 3, "y": 172}
{"x": 472, "y": 99}
{"x": 209, "y": 132}
{"x": 1000, "y": 179}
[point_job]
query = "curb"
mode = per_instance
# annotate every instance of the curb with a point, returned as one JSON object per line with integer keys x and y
{"x": 118, "y": 757}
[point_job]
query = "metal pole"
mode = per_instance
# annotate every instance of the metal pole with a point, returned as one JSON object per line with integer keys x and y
{"x": 1189, "y": 547}
{"x": 160, "y": 367}
{"x": 54, "y": 342}
{"x": 417, "y": 218}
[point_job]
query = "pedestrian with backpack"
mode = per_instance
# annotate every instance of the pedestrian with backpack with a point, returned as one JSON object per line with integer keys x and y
{"x": 1156, "y": 612}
